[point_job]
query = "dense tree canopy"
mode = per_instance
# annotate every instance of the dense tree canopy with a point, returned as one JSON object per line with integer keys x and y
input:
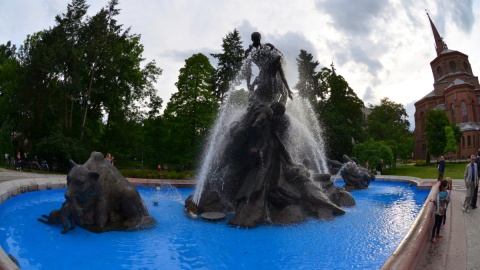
{"x": 372, "y": 151}
{"x": 229, "y": 64}
{"x": 191, "y": 111}
{"x": 388, "y": 122}
{"x": 436, "y": 121}
{"x": 340, "y": 112}
{"x": 337, "y": 105}
{"x": 84, "y": 78}
{"x": 307, "y": 85}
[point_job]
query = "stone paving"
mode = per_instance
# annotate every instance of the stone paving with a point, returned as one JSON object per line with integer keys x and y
{"x": 459, "y": 248}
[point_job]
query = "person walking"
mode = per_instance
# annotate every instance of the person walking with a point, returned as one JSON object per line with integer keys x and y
{"x": 449, "y": 191}
{"x": 441, "y": 201}
{"x": 475, "y": 190}
{"x": 441, "y": 167}
{"x": 471, "y": 179}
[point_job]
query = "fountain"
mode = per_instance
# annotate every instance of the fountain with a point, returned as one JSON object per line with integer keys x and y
{"x": 362, "y": 238}
{"x": 256, "y": 170}
{"x": 261, "y": 164}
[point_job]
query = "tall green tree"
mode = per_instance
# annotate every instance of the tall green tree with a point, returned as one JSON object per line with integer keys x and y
{"x": 451, "y": 142}
{"x": 154, "y": 135}
{"x": 388, "y": 122}
{"x": 191, "y": 111}
{"x": 340, "y": 113}
{"x": 229, "y": 64}
{"x": 86, "y": 79}
{"x": 435, "y": 123}
{"x": 307, "y": 85}
{"x": 9, "y": 78}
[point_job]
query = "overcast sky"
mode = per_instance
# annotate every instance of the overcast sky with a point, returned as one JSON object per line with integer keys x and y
{"x": 382, "y": 48}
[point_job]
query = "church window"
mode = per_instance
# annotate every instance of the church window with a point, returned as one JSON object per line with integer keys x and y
{"x": 464, "y": 112}
{"x": 439, "y": 71}
{"x": 452, "y": 114}
{"x": 463, "y": 141}
{"x": 453, "y": 66}
{"x": 469, "y": 142}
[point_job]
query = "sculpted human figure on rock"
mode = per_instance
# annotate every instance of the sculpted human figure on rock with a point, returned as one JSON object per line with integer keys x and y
{"x": 255, "y": 177}
{"x": 354, "y": 175}
{"x": 270, "y": 84}
{"x": 109, "y": 202}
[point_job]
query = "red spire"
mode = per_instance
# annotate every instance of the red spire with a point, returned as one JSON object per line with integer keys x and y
{"x": 439, "y": 44}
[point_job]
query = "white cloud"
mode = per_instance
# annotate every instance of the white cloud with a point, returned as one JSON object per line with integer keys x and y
{"x": 382, "y": 48}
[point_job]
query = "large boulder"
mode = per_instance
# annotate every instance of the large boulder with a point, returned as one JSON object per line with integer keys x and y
{"x": 354, "y": 175}
{"x": 108, "y": 200}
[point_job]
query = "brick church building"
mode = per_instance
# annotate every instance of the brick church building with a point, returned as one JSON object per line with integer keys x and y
{"x": 457, "y": 92}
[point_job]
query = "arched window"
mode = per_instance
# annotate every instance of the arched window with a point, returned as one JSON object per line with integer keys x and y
{"x": 469, "y": 142}
{"x": 474, "y": 142}
{"x": 422, "y": 124}
{"x": 464, "y": 112}
{"x": 452, "y": 114}
{"x": 463, "y": 141}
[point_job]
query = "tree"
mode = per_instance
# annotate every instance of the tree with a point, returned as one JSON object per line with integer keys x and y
{"x": 451, "y": 142}
{"x": 10, "y": 76}
{"x": 406, "y": 147}
{"x": 372, "y": 151}
{"x": 229, "y": 64}
{"x": 85, "y": 78}
{"x": 307, "y": 84}
{"x": 388, "y": 122}
{"x": 191, "y": 111}
{"x": 436, "y": 121}
{"x": 339, "y": 112}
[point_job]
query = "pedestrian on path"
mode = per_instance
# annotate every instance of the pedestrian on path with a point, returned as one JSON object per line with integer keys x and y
{"x": 441, "y": 201}
{"x": 441, "y": 167}
{"x": 475, "y": 190}
{"x": 449, "y": 191}
{"x": 471, "y": 179}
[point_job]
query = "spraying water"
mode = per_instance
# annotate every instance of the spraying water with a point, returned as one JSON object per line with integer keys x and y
{"x": 304, "y": 137}
{"x": 229, "y": 113}
{"x": 265, "y": 160}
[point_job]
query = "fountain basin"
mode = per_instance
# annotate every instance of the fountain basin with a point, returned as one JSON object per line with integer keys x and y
{"x": 307, "y": 251}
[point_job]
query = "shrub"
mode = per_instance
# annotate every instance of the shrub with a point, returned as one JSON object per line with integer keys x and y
{"x": 421, "y": 162}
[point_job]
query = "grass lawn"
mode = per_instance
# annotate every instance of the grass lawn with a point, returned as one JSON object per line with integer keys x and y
{"x": 452, "y": 170}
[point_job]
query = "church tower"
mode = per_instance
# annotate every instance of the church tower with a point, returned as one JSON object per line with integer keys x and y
{"x": 457, "y": 92}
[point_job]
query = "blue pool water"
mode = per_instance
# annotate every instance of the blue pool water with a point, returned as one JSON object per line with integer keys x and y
{"x": 363, "y": 238}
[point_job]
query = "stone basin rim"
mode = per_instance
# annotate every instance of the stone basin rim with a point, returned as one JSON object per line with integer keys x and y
{"x": 405, "y": 256}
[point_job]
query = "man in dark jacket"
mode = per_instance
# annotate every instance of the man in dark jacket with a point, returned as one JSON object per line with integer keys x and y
{"x": 441, "y": 167}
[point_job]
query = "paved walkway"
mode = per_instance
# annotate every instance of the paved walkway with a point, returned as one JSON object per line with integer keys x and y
{"x": 458, "y": 249}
